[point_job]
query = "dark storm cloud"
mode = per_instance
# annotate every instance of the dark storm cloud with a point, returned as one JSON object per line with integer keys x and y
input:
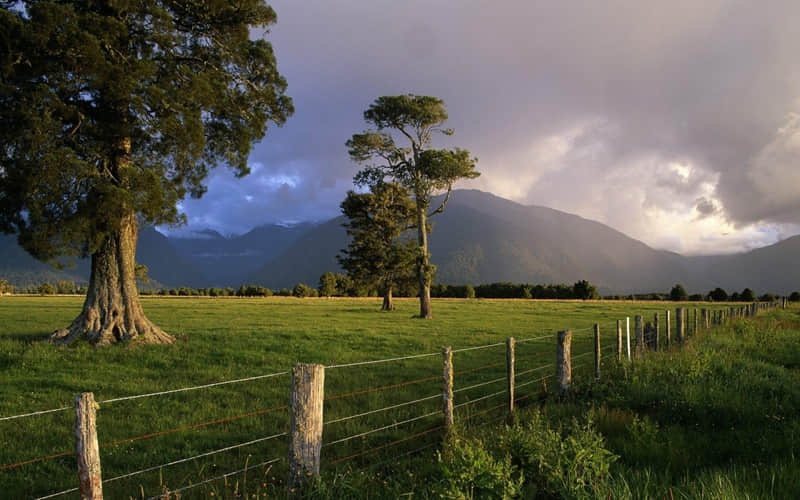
{"x": 623, "y": 111}
{"x": 705, "y": 207}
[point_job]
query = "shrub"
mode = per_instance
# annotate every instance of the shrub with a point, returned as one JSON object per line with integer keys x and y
{"x": 301, "y": 290}
{"x": 470, "y": 471}
{"x": 563, "y": 463}
{"x": 678, "y": 293}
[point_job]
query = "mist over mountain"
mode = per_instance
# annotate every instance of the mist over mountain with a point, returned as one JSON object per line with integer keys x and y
{"x": 480, "y": 238}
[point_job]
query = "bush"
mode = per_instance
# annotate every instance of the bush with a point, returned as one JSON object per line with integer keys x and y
{"x": 794, "y": 297}
{"x": 562, "y": 463}
{"x": 530, "y": 460}
{"x": 301, "y": 290}
{"x": 678, "y": 293}
{"x": 46, "y": 289}
{"x": 470, "y": 471}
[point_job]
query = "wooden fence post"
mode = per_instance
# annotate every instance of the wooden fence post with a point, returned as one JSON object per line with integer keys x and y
{"x": 694, "y": 331}
{"x": 668, "y": 328}
{"x": 680, "y": 319}
{"x": 447, "y": 391}
{"x": 639, "y": 328}
{"x": 510, "y": 344}
{"x": 656, "y": 340}
{"x": 305, "y": 431}
{"x": 597, "y": 353}
{"x": 564, "y": 361}
{"x": 89, "y": 473}
{"x": 628, "y": 336}
{"x": 619, "y": 340}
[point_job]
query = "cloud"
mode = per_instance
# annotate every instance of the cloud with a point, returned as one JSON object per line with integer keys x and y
{"x": 673, "y": 121}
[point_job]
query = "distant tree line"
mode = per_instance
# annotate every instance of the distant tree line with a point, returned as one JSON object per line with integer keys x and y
{"x": 340, "y": 285}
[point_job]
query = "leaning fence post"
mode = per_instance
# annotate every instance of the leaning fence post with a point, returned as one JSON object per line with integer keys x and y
{"x": 564, "y": 361}
{"x": 447, "y": 391}
{"x": 91, "y": 481}
{"x": 619, "y": 340}
{"x": 639, "y": 329}
{"x": 510, "y": 344}
{"x": 597, "y": 353}
{"x": 305, "y": 431}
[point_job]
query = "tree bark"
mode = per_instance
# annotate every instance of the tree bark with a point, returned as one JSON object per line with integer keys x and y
{"x": 423, "y": 264}
{"x": 388, "y": 305}
{"x": 112, "y": 312}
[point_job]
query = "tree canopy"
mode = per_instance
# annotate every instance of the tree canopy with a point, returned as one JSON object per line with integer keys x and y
{"x": 380, "y": 254}
{"x": 422, "y": 170}
{"x": 111, "y": 113}
{"x": 181, "y": 86}
{"x": 678, "y": 293}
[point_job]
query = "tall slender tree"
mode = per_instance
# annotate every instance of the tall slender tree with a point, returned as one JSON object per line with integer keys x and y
{"x": 110, "y": 114}
{"x": 424, "y": 171}
{"x": 379, "y": 254}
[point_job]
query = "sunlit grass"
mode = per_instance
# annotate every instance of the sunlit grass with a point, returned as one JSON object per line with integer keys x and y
{"x": 224, "y": 339}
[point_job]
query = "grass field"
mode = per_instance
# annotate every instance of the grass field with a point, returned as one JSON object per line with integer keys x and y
{"x": 226, "y": 339}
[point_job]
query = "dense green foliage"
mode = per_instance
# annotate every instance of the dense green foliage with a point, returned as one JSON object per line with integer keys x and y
{"x": 678, "y": 293}
{"x": 82, "y": 86}
{"x": 380, "y": 253}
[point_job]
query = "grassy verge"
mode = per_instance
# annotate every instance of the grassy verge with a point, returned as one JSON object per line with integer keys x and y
{"x": 717, "y": 419}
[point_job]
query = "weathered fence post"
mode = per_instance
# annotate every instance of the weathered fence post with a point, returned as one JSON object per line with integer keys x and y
{"x": 639, "y": 328}
{"x": 628, "y": 337}
{"x": 680, "y": 319}
{"x": 694, "y": 331}
{"x": 510, "y": 345}
{"x": 89, "y": 473}
{"x": 447, "y": 391}
{"x": 597, "y": 352}
{"x": 564, "y": 361}
{"x": 668, "y": 328}
{"x": 619, "y": 340}
{"x": 305, "y": 431}
{"x": 656, "y": 340}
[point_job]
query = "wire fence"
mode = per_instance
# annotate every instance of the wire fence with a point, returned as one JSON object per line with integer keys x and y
{"x": 403, "y": 411}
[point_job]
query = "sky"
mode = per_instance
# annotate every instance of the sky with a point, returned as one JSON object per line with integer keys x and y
{"x": 676, "y": 122}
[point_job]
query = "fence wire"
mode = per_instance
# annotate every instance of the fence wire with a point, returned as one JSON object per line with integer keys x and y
{"x": 229, "y": 474}
{"x": 192, "y": 388}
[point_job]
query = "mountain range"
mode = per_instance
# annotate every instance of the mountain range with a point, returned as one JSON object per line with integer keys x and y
{"x": 480, "y": 238}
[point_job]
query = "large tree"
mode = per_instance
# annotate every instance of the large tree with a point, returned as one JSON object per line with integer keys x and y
{"x": 110, "y": 114}
{"x": 424, "y": 171}
{"x": 379, "y": 253}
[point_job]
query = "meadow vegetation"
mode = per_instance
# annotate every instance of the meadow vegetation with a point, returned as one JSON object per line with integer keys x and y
{"x": 714, "y": 420}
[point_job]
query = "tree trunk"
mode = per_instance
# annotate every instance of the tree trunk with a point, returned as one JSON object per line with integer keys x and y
{"x": 112, "y": 312}
{"x": 423, "y": 264}
{"x": 388, "y": 305}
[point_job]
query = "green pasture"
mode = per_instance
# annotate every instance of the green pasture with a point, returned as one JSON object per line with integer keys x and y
{"x": 232, "y": 338}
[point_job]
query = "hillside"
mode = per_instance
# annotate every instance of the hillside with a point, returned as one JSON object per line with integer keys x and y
{"x": 480, "y": 238}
